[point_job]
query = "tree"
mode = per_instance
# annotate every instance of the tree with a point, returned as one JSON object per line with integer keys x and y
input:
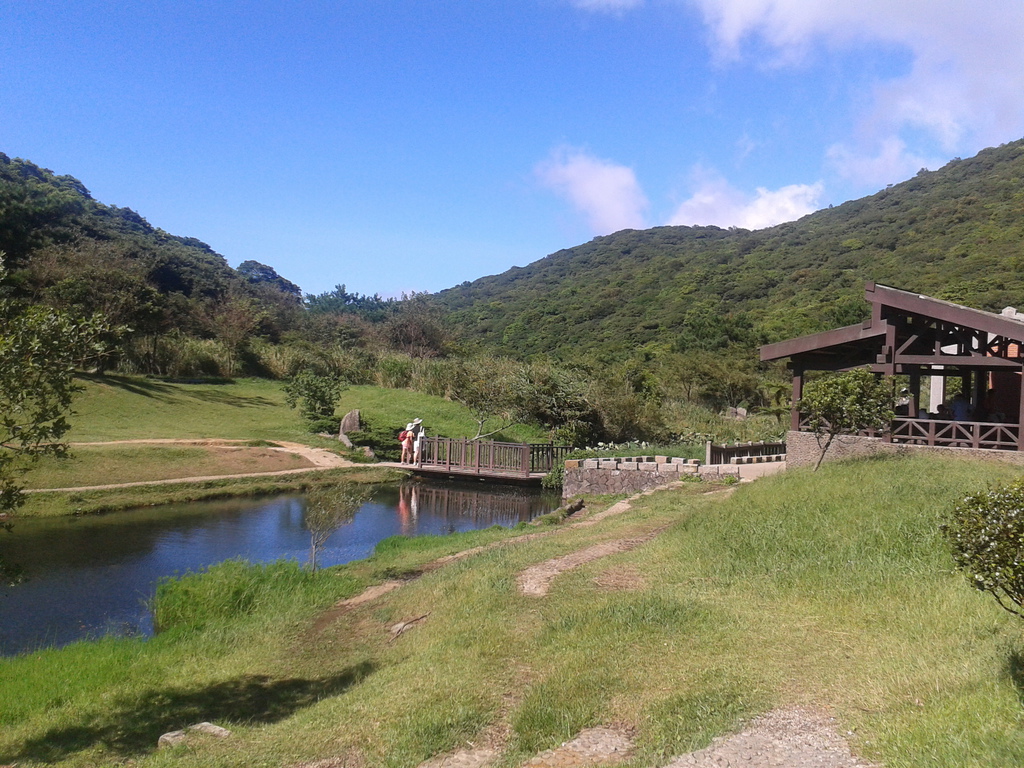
{"x": 327, "y": 509}
{"x": 316, "y": 397}
{"x": 39, "y": 351}
{"x": 493, "y": 390}
{"x": 233, "y": 321}
{"x": 986, "y": 533}
{"x": 846, "y": 403}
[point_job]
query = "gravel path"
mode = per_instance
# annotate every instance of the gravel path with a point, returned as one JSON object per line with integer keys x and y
{"x": 793, "y": 738}
{"x": 783, "y": 738}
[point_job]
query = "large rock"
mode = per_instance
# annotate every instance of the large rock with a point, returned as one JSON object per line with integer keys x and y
{"x": 351, "y": 423}
{"x": 174, "y": 738}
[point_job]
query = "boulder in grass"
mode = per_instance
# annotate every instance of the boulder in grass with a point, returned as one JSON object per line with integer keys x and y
{"x": 174, "y": 738}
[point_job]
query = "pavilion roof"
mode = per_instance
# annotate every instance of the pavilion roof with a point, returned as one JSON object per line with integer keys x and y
{"x": 861, "y": 344}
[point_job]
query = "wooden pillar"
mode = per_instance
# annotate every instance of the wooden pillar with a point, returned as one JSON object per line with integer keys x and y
{"x": 798, "y": 392}
{"x": 890, "y": 348}
{"x": 915, "y": 393}
{"x": 978, "y": 394}
{"x": 1020, "y": 416}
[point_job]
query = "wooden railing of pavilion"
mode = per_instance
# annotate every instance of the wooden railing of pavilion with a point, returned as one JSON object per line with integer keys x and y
{"x": 487, "y": 457}
{"x": 950, "y": 434}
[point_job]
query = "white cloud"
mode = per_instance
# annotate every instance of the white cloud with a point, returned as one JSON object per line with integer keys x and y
{"x": 717, "y": 202}
{"x": 962, "y": 91}
{"x": 891, "y": 162}
{"x": 606, "y": 193}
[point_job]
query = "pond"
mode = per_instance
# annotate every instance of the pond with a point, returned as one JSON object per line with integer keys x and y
{"x": 91, "y": 576}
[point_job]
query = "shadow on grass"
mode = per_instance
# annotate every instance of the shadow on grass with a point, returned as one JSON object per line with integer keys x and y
{"x": 172, "y": 390}
{"x": 132, "y": 725}
{"x": 226, "y": 398}
{"x": 145, "y": 387}
{"x": 1015, "y": 671}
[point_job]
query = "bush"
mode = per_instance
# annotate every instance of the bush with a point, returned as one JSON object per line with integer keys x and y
{"x": 316, "y": 397}
{"x": 382, "y": 439}
{"x": 556, "y": 477}
{"x": 986, "y": 532}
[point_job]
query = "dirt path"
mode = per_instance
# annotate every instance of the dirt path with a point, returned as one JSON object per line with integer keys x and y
{"x": 319, "y": 458}
{"x": 783, "y": 738}
{"x": 536, "y": 580}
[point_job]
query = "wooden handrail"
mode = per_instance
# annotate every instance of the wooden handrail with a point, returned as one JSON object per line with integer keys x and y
{"x": 489, "y": 457}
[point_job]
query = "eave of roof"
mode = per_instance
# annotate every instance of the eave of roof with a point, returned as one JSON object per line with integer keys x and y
{"x": 821, "y": 342}
{"x": 946, "y": 311}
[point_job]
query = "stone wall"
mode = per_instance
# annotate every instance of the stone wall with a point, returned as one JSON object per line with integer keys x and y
{"x": 802, "y": 450}
{"x": 625, "y": 475}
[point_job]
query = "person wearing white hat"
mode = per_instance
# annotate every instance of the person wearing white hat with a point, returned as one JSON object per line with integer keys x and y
{"x": 417, "y": 446}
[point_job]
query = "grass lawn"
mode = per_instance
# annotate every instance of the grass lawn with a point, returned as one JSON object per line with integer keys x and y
{"x": 129, "y": 407}
{"x": 107, "y": 464}
{"x": 831, "y": 589}
{"x": 396, "y": 407}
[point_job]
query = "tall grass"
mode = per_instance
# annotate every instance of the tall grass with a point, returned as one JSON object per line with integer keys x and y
{"x": 699, "y": 422}
{"x": 235, "y": 588}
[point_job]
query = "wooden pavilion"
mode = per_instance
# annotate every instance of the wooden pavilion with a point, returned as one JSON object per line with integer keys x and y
{"x": 932, "y": 341}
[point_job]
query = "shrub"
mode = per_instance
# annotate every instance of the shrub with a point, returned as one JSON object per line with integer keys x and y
{"x": 846, "y": 403}
{"x": 986, "y": 532}
{"x": 556, "y": 477}
{"x": 382, "y": 439}
{"x": 316, "y": 397}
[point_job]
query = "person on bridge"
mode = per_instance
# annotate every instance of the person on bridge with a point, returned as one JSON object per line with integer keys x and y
{"x": 406, "y": 438}
{"x": 417, "y": 445}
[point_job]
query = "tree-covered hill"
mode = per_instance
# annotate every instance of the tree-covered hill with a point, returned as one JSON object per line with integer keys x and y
{"x": 956, "y": 233}
{"x": 65, "y": 249}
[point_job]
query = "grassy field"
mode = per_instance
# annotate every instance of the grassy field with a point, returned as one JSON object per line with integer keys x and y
{"x": 130, "y": 407}
{"x": 397, "y": 407}
{"x": 831, "y": 589}
{"x": 118, "y": 408}
{"x": 106, "y": 464}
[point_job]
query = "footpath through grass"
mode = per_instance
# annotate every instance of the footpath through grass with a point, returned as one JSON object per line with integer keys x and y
{"x": 829, "y": 589}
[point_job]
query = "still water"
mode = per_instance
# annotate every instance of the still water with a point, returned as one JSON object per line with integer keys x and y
{"x": 91, "y": 576}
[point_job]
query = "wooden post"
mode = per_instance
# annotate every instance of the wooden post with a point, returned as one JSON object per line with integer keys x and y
{"x": 915, "y": 393}
{"x": 798, "y": 392}
{"x": 1020, "y": 415}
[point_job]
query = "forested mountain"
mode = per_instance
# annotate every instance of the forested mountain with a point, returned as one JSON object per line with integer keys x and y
{"x": 955, "y": 233}
{"x": 67, "y": 250}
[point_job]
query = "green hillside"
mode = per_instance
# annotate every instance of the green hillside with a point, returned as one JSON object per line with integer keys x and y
{"x": 956, "y": 233}
{"x": 67, "y": 250}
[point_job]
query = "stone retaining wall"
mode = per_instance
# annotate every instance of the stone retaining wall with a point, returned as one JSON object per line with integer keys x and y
{"x": 623, "y": 475}
{"x": 802, "y": 450}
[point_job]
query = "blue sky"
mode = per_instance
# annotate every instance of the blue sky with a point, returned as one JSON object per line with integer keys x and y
{"x": 408, "y": 145}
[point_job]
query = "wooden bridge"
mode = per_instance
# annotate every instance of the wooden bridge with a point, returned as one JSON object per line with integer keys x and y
{"x": 487, "y": 459}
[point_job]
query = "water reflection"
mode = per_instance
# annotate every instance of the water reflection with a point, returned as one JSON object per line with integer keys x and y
{"x": 91, "y": 576}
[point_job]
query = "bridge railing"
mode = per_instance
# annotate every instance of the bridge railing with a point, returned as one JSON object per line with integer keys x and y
{"x": 488, "y": 457}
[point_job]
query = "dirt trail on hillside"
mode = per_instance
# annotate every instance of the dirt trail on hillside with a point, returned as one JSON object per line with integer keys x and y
{"x": 318, "y": 458}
